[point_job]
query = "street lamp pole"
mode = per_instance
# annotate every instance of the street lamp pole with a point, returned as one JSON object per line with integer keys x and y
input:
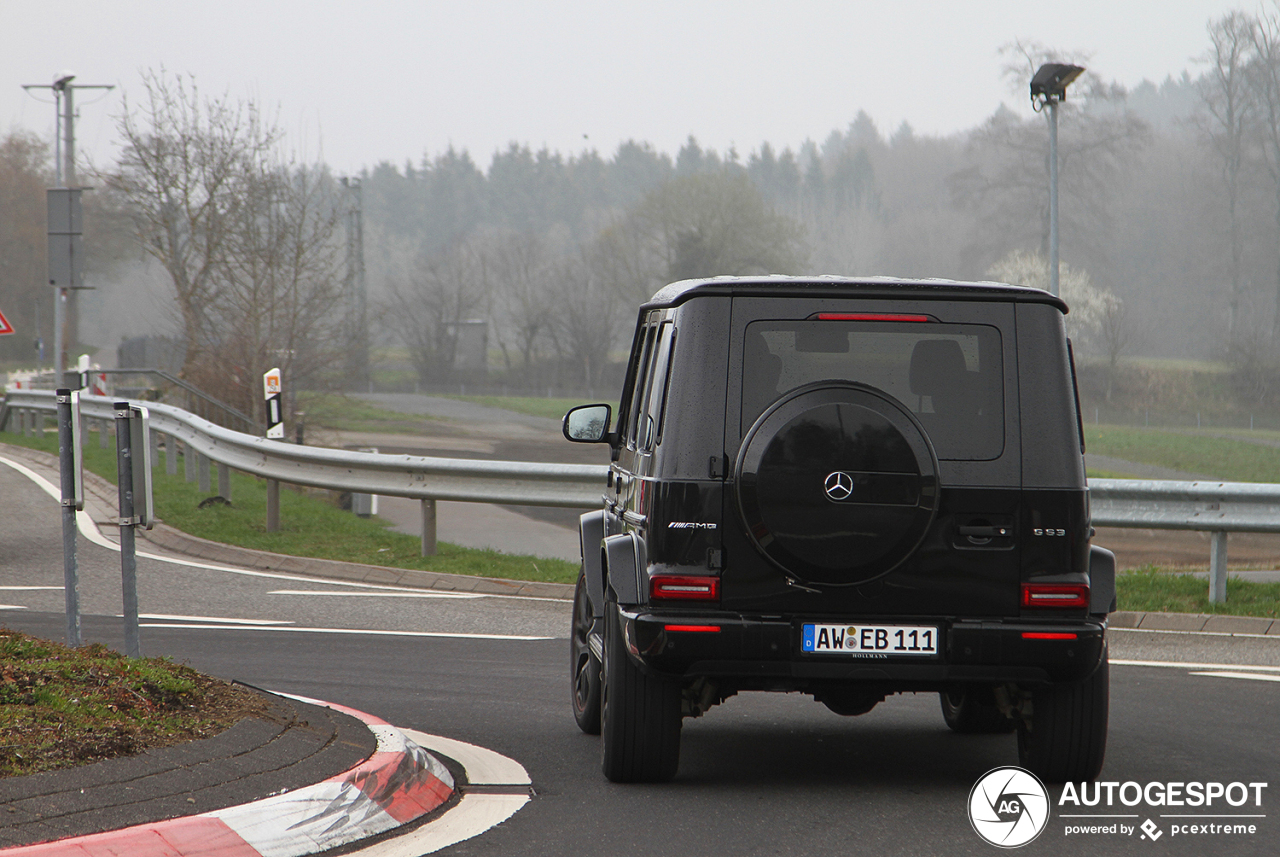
{"x": 1048, "y": 89}
{"x": 1053, "y": 199}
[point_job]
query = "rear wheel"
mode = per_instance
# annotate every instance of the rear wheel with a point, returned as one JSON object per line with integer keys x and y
{"x": 1066, "y": 737}
{"x": 973, "y": 711}
{"x": 584, "y": 668}
{"x": 640, "y": 715}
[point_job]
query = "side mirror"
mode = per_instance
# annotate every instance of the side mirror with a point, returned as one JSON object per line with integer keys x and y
{"x": 588, "y": 423}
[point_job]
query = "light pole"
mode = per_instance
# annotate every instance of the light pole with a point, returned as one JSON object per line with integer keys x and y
{"x": 1048, "y": 88}
{"x": 64, "y": 325}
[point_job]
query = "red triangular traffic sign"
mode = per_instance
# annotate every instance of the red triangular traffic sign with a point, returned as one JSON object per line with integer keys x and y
{"x": 5, "y": 327}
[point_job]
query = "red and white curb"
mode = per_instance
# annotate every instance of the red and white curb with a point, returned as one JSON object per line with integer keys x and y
{"x": 400, "y": 782}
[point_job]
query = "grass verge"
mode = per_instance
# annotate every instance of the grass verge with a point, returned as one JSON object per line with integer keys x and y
{"x": 535, "y": 406}
{"x": 311, "y": 524}
{"x": 62, "y": 707}
{"x": 344, "y": 413}
{"x": 1221, "y": 458}
{"x": 1153, "y": 590}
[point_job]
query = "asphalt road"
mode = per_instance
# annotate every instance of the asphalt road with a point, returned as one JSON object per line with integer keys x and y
{"x": 762, "y": 774}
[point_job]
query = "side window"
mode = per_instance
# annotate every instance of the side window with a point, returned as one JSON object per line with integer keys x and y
{"x": 658, "y": 374}
{"x": 641, "y": 386}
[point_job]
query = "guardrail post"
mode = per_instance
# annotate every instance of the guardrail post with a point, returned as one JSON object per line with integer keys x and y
{"x": 67, "y": 431}
{"x": 1218, "y": 568}
{"x": 188, "y": 463}
{"x": 273, "y": 505}
{"x": 103, "y": 431}
{"x": 155, "y": 448}
{"x": 128, "y": 559}
{"x": 171, "y": 455}
{"x": 224, "y": 481}
{"x": 428, "y": 527}
{"x": 28, "y": 422}
{"x": 202, "y": 470}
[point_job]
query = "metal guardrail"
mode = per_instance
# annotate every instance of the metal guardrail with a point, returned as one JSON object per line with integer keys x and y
{"x": 575, "y": 486}
{"x": 1227, "y": 507}
{"x": 1215, "y": 507}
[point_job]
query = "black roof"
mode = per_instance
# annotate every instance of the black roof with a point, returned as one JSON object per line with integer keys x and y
{"x": 774, "y": 285}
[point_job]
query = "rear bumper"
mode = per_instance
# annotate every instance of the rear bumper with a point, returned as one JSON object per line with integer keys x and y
{"x": 760, "y": 653}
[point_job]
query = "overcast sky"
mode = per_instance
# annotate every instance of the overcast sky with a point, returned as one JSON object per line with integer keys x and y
{"x": 356, "y": 83}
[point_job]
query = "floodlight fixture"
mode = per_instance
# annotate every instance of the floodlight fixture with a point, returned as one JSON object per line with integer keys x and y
{"x": 61, "y": 79}
{"x": 1049, "y": 85}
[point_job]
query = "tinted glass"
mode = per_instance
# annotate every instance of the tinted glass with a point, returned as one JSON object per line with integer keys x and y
{"x": 949, "y": 376}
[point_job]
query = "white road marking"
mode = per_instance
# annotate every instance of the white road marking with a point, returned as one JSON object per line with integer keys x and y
{"x": 91, "y": 532}
{"x": 13, "y": 607}
{"x": 398, "y": 594}
{"x": 472, "y": 815}
{"x": 371, "y": 632}
{"x": 28, "y": 588}
{"x": 221, "y": 619}
{"x": 1197, "y": 633}
{"x": 1254, "y": 676}
{"x": 1183, "y": 665}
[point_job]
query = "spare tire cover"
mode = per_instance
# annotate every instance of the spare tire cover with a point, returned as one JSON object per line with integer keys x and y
{"x": 837, "y": 483}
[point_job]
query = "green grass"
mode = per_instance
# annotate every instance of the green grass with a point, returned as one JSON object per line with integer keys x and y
{"x": 1221, "y": 458}
{"x": 1153, "y": 590}
{"x": 61, "y": 707}
{"x": 344, "y": 413}
{"x": 532, "y": 405}
{"x": 310, "y": 525}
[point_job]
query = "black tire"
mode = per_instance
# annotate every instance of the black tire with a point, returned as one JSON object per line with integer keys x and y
{"x": 640, "y": 715}
{"x": 584, "y": 668}
{"x": 1067, "y": 736}
{"x": 973, "y": 711}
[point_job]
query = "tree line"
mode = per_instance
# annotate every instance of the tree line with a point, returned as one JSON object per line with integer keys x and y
{"x": 1170, "y": 225}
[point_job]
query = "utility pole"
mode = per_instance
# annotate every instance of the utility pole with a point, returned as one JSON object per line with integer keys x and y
{"x": 357, "y": 308}
{"x": 64, "y": 316}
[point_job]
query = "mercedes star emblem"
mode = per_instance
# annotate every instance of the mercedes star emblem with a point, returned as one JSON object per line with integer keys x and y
{"x": 839, "y": 485}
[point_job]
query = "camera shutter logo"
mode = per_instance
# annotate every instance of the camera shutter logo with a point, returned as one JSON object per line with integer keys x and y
{"x": 1008, "y": 807}
{"x": 839, "y": 485}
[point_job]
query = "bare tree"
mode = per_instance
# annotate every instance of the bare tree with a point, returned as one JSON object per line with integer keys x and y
{"x": 281, "y": 285}
{"x": 183, "y": 170}
{"x": 1224, "y": 91}
{"x": 429, "y": 300}
{"x": 1264, "y": 79}
{"x": 24, "y": 174}
{"x": 1116, "y": 332}
{"x": 247, "y": 237}
{"x": 524, "y": 273}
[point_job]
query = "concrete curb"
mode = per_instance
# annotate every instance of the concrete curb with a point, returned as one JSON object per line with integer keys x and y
{"x": 100, "y": 505}
{"x": 1206, "y": 623}
{"x": 399, "y": 783}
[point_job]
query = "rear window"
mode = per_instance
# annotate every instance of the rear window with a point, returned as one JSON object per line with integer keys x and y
{"x": 949, "y": 375}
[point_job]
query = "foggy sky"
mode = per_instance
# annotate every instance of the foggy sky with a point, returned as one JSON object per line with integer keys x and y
{"x": 355, "y": 83}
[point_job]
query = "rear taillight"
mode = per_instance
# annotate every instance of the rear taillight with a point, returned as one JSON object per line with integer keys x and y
{"x": 1055, "y": 596}
{"x": 674, "y": 587}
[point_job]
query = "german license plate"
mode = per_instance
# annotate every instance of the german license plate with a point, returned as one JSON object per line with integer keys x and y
{"x": 869, "y": 640}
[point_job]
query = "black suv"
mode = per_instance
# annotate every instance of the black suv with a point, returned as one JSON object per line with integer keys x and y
{"x": 849, "y": 488}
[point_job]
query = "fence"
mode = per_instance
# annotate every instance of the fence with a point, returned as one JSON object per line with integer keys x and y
{"x": 1218, "y": 508}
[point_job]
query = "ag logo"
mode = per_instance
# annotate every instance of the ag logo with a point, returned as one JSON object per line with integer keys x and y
{"x": 1008, "y": 807}
{"x": 839, "y": 485}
